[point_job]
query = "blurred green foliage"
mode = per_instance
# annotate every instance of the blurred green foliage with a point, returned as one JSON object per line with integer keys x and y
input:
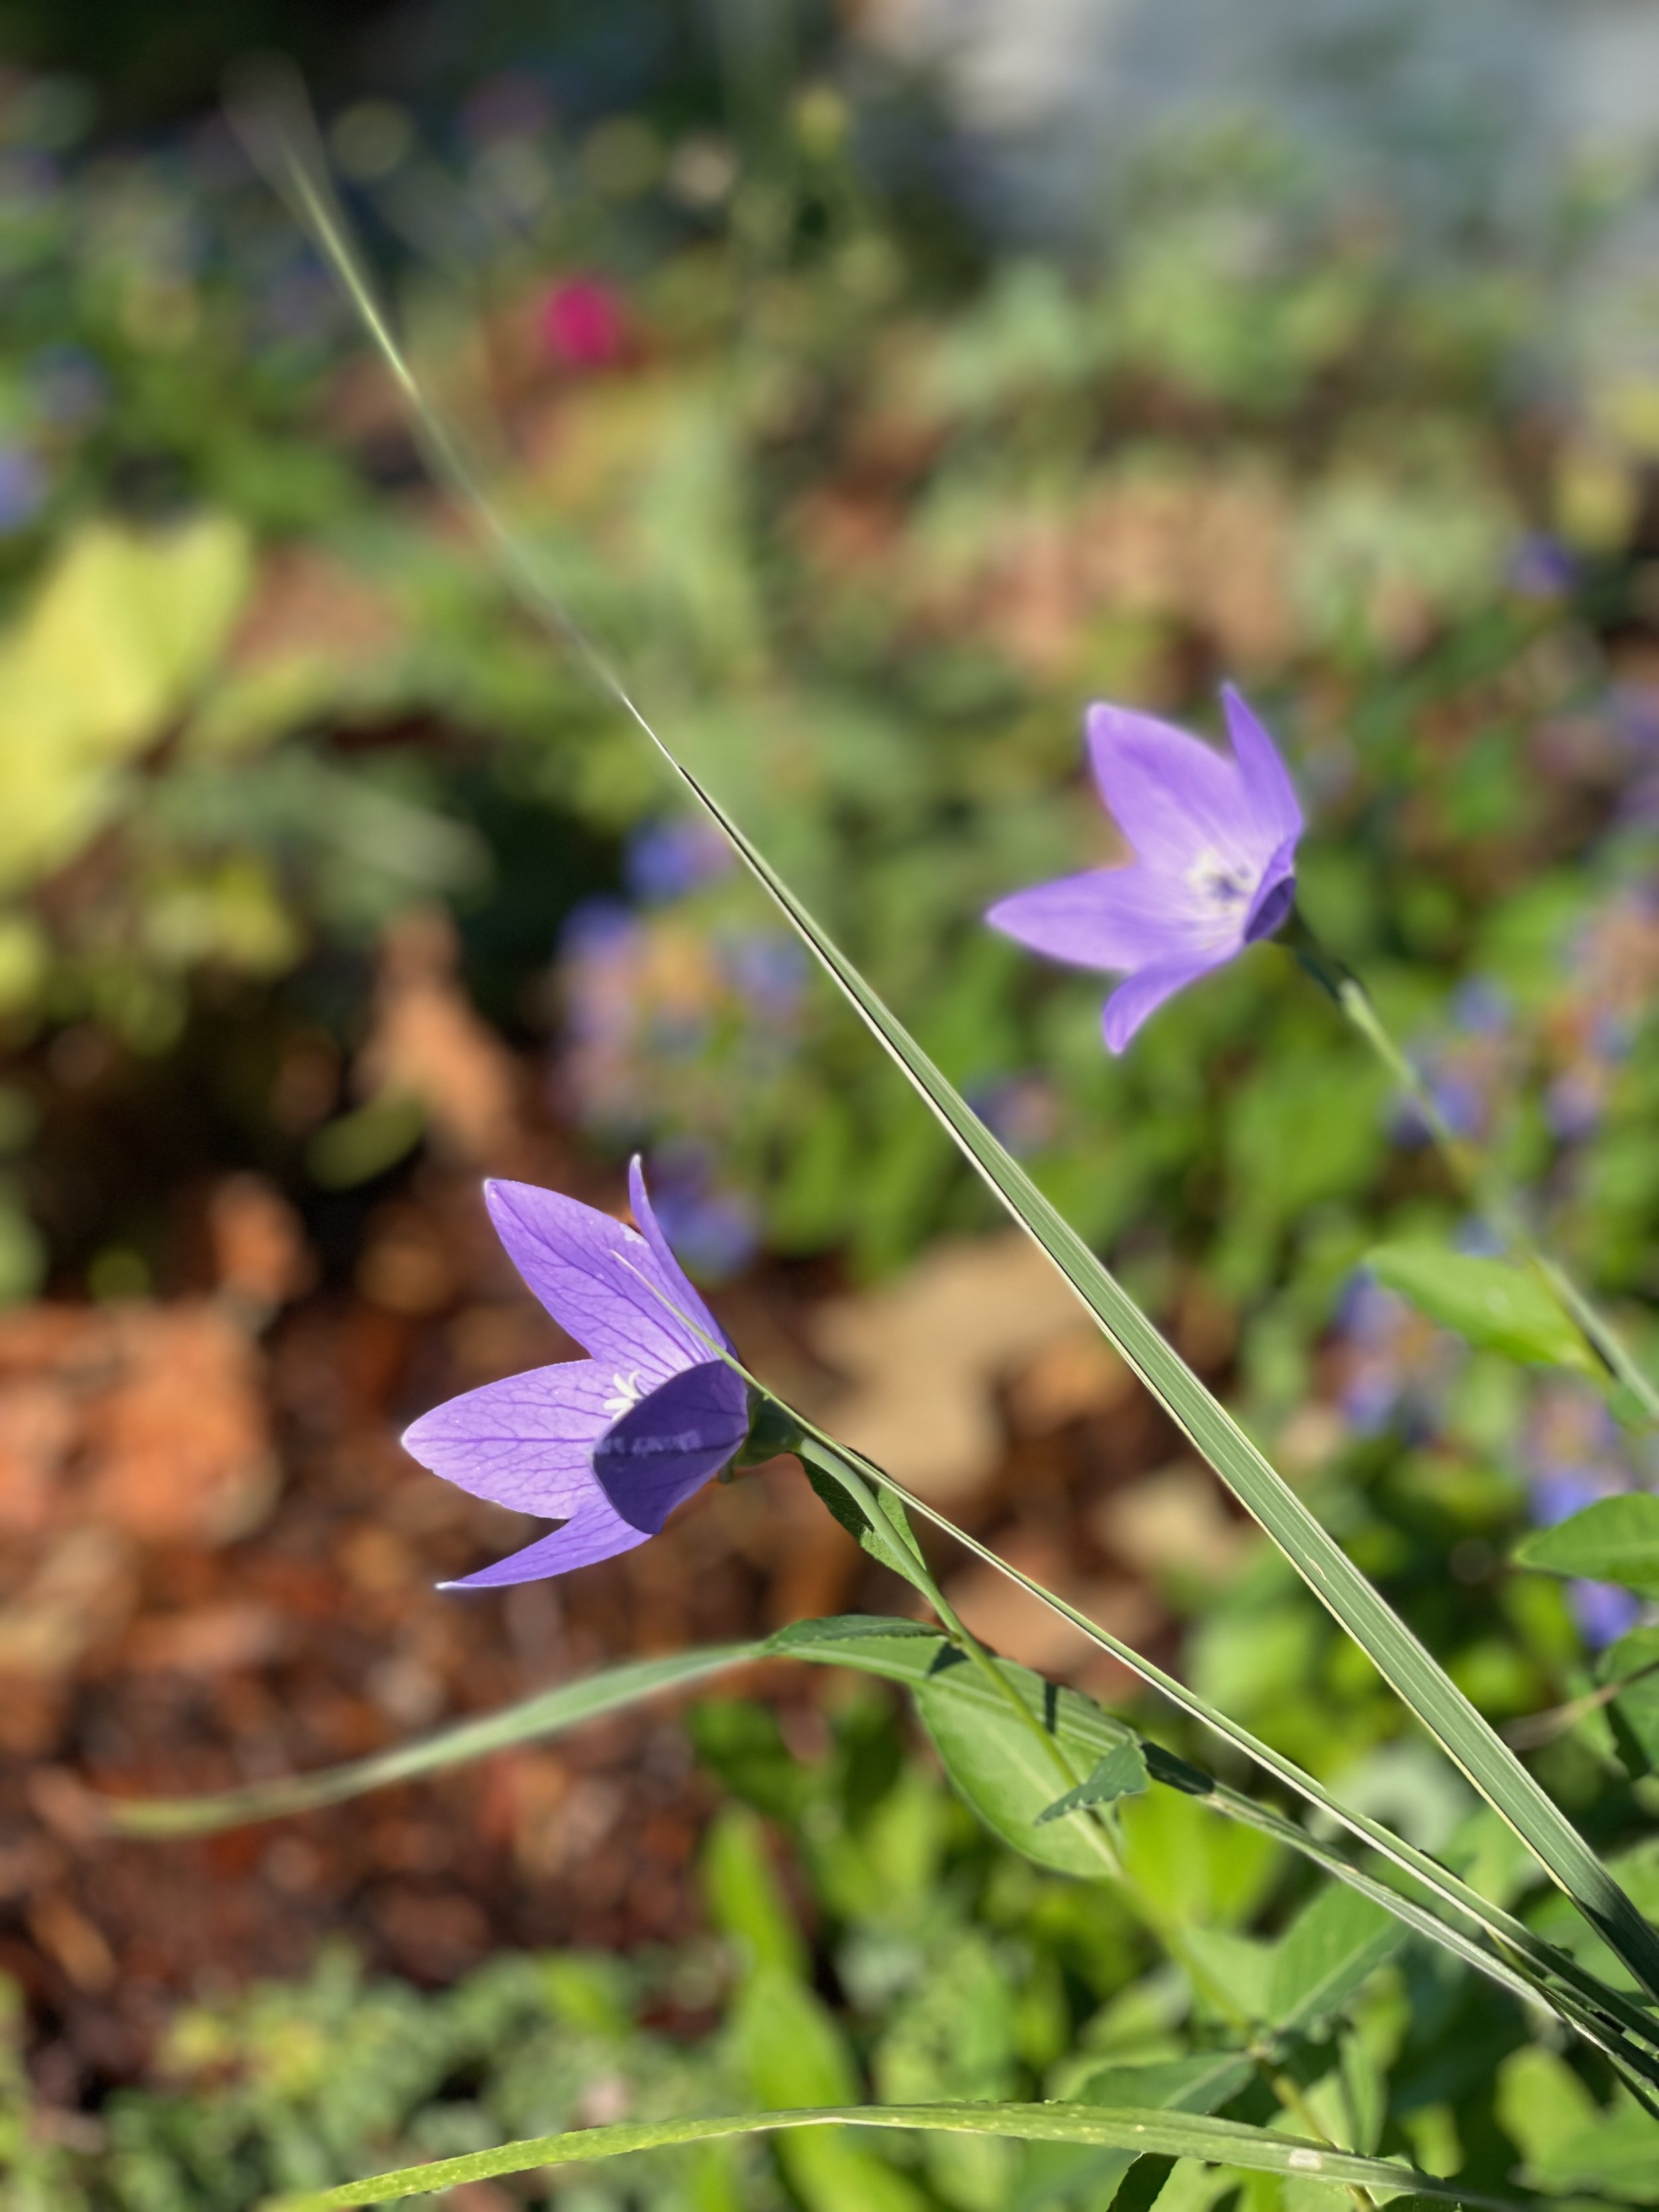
{"x": 872, "y": 1941}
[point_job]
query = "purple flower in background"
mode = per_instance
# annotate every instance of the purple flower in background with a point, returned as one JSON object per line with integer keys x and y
{"x": 22, "y": 489}
{"x": 716, "y": 1228}
{"x": 611, "y": 1444}
{"x": 1395, "y": 1364}
{"x": 671, "y": 859}
{"x": 769, "y": 973}
{"x": 1604, "y": 1612}
{"x": 1214, "y": 868}
{"x": 1541, "y": 567}
{"x": 1575, "y": 1453}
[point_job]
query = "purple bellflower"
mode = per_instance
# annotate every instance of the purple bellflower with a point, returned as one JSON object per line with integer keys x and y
{"x": 608, "y": 1444}
{"x": 1214, "y": 864}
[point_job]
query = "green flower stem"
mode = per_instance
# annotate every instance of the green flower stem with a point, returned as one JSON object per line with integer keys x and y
{"x": 1537, "y": 1728}
{"x": 1164, "y": 1931}
{"x": 1606, "y": 2016}
{"x": 1475, "y": 1173}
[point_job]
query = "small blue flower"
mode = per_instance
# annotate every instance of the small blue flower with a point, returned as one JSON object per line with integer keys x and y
{"x": 1604, "y": 1612}
{"x": 768, "y": 971}
{"x": 1541, "y": 567}
{"x": 23, "y": 487}
{"x": 670, "y": 859}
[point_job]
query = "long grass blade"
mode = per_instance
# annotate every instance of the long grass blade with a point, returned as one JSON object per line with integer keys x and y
{"x": 278, "y": 128}
{"x": 547, "y": 1713}
{"x": 1141, "y": 2129}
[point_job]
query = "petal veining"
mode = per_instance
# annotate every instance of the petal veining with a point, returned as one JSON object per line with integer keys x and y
{"x": 572, "y": 1257}
{"x": 674, "y": 1275}
{"x": 526, "y": 1442}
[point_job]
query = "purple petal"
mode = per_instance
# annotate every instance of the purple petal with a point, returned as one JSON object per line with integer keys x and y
{"x": 526, "y": 1442}
{"x": 1268, "y": 792}
{"x": 672, "y": 1273}
{"x": 670, "y": 1443}
{"x": 594, "y": 1532}
{"x": 1109, "y": 918}
{"x": 1143, "y": 994}
{"x": 1175, "y": 798}
{"x": 597, "y": 1279}
{"x": 1275, "y": 894}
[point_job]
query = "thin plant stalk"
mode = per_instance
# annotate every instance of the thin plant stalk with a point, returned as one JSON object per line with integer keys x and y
{"x": 1099, "y": 1828}
{"x": 1474, "y": 1174}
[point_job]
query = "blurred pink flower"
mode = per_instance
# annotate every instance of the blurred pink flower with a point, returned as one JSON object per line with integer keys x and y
{"x": 582, "y": 324}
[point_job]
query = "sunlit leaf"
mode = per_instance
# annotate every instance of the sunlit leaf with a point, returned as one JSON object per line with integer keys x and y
{"x": 1633, "y": 1662}
{"x": 1122, "y": 1773}
{"x": 1615, "y": 1540}
{"x": 1329, "y": 1948}
{"x": 546, "y": 1713}
{"x": 104, "y": 658}
{"x": 1492, "y": 1305}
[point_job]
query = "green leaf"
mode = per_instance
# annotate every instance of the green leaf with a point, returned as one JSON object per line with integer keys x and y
{"x": 1615, "y": 1540}
{"x": 1329, "y": 1948}
{"x": 367, "y": 1141}
{"x": 1007, "y": 1772}
{"x": 281, "y": 141}
{"x": 115, "y": 641}
{"x": 878, "y": 1524}
{"x": 1633, "y": 1662}
{"x": 1569, "y": 2141}
{"x": 792, "y": 2048}
{"x": 1492, "y": 1305}
{"x": 1122, "y": 1773}
{"x": 999, "y": 1763}
{"x": 739, "y": 1739}
{"x": 746, "y": 1902}
{"x": 1619, "y": 2156}
{"x": 1195, "y": 2084}
{"x": 1172, "y": 2135}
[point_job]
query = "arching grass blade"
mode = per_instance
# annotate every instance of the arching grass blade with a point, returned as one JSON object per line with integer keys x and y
{"x": 1142, "y": 2131}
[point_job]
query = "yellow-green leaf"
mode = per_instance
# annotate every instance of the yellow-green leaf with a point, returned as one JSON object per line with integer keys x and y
{"x": 1492, "y": 1305}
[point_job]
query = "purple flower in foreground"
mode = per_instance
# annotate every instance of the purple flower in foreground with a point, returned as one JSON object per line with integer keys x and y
{"x": 1214, "y": 868}
{"x": 608, "y": 1444}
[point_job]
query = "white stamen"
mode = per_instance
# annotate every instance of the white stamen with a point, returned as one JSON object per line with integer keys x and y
{"x": 626, "y": 1388}
{"x": 1221, "y": 882}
